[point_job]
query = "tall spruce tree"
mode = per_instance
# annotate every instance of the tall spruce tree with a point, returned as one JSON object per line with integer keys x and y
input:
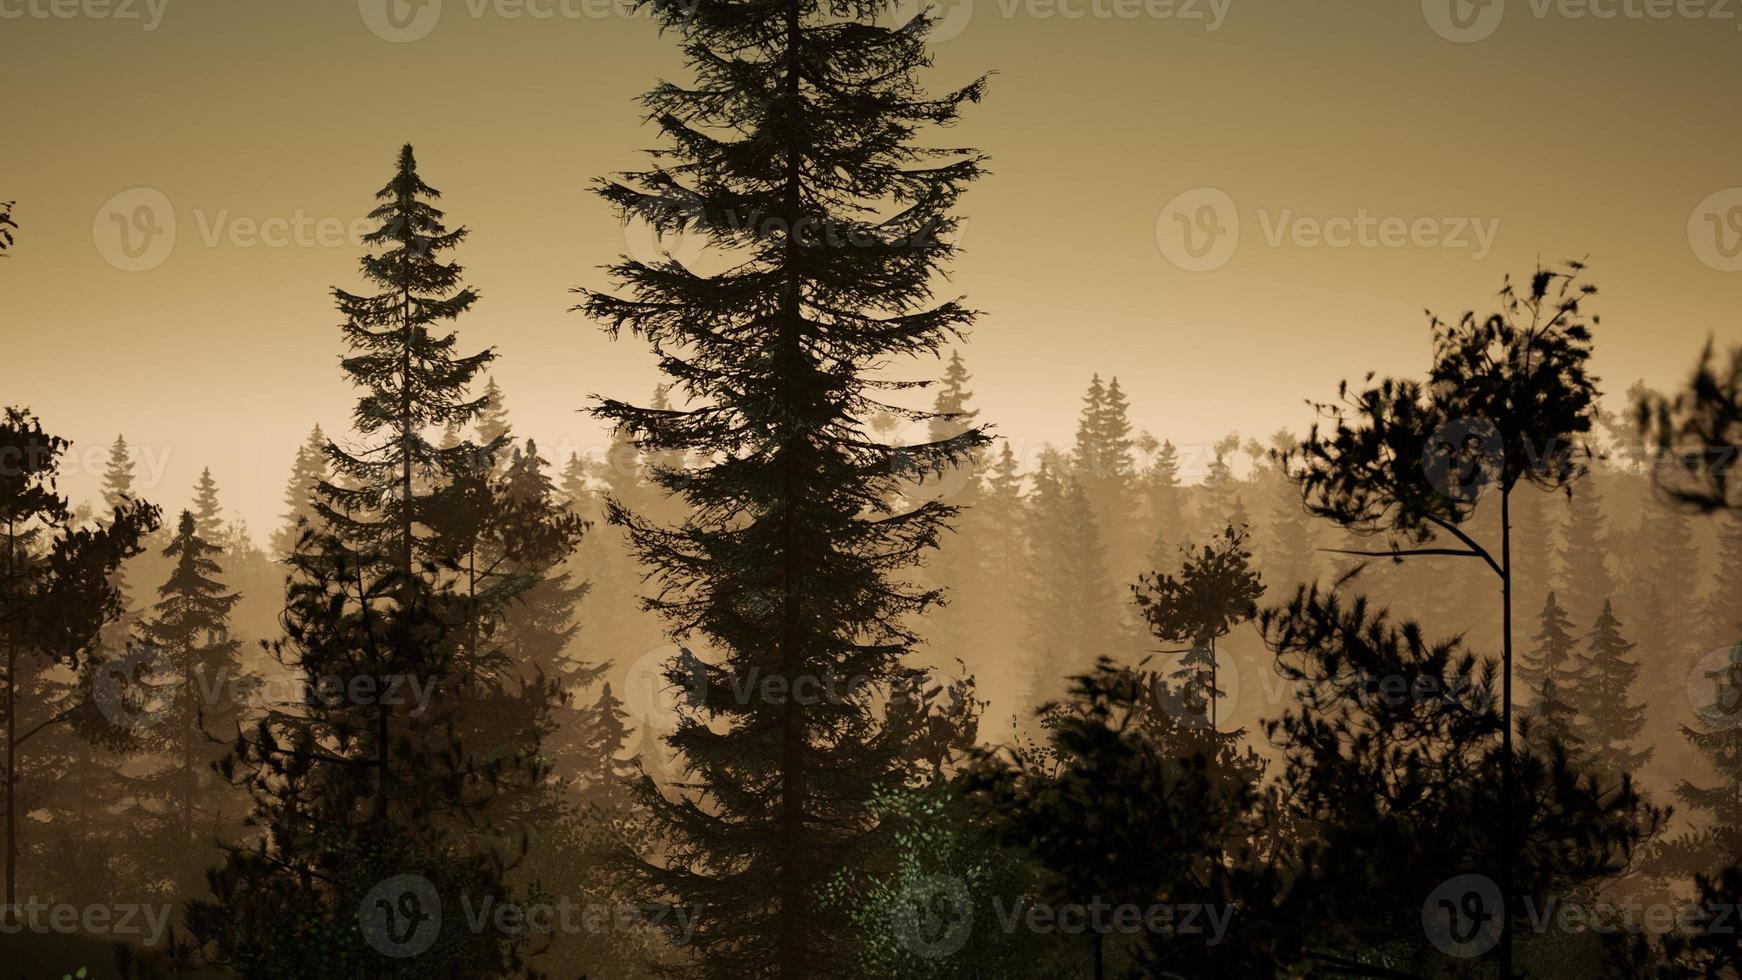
{"x": 307, "y": 472}
{"x": 1102, "y": 463}
{"x": 1610, "y": 719}
{"x": 208, "y": 512}
{"x": 411, "y": 377}
{"x": 1167, "y": 505}
{"x": 1551, "y": 675}
{"x": 1586, "y": 580}
{"x": 492, "y": 425}
{"x": 1068, "y": 597}
{"x": 1723, "y": 605}
{"x": 958, "y": 564}
{"x": 1221, "y": 504}
{"x": 796, "y": 151}
{"x": 356, "y": 790}
{"x": 1716, "y": 841}
{"x": 1291, "y": 556}
{"x": 198, "y": 694}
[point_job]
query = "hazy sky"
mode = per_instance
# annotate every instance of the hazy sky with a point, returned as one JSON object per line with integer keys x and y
{"x": 1441, "y": 147}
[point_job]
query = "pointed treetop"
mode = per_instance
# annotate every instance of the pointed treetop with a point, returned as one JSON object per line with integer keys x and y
{"x": 207, "y": 511}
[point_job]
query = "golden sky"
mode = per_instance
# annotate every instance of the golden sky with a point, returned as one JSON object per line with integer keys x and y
{"x": 1379, "y": 156}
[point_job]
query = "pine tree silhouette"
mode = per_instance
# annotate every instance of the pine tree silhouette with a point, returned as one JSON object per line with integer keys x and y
{"x": 199, "y": 693}
{"x": 307, "y": 472}
{"x": 412, "y": 379}
{"x": 1586, "y": 581}
{"x": 1390, "y": 753}
{"x": 371, "y": 779}
{"x": 1069, "y": 606}
{"x": 1610, "y": 721}
{"x": 1723, "y": 621}
{"x": 55, "y": 597}
{"x": 1506, "y": 402}
{"x": 1551, "y": 674}
{"x": 207, "y": 511}
{"x": 837, "y": 219}
{"x": 1167, "y": 508}
{"x": 1216, "y": 589}
{"x": 1104, "y": 465}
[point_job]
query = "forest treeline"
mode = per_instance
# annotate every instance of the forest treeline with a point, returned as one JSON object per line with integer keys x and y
{"x": 812, "y": 674}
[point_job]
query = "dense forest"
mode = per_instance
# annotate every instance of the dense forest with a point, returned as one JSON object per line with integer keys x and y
{"x": 813, "y": 673}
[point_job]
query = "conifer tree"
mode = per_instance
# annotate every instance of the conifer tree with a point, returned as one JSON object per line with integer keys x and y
{"x": 375, "y": 820}
{"x": 1717, "y": 841}
{"x": 491, "y": 426}
{"x": 528, "y": 541}
{"x": 796, "y": 151}
{"x": 1723, "y": 605}
{"x": 989, "y": 594}
{"x": 1291, "y": 556}
{"x": 1068, "y": 601}
{"x": 602, "y": 742}
{"x": 198, "y": 694}
{"x": 118, "y": 476}
{"x": 307, "y": 472}
{"x": 56, "y": 595}
{"x": 1390, "y": 753}
{"x": 1167, "y": 510}
{"x": 1666, "y": 583}
{"x": 1586, "y": 582}
{"x": 118, "y": 480}
{"x": 958, "y": 563}
{"x": 208, "y": 513}
{"x": 1000, "y": 520}
{"x": 1611, "y": 721}
{"x": 1102, "y": 463}
{"x": 1551, "y": 674}
{"x": 1221, "y": 505}
{"x": 354, "y": 791}
{"x": 412, "y": 378}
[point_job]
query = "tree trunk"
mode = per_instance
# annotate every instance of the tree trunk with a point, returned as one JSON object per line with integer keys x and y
{"x": 1506, "y": 776}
